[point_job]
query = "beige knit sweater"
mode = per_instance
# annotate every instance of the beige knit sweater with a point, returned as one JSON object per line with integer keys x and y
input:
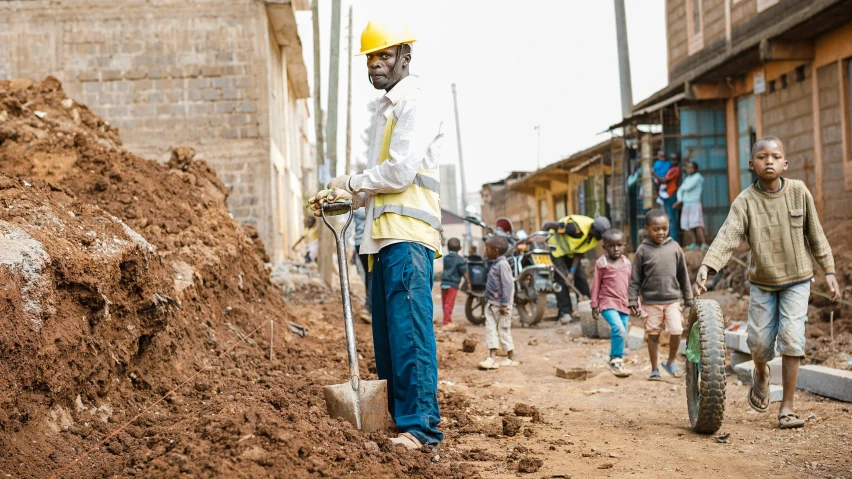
{"x": 783, "y": 231}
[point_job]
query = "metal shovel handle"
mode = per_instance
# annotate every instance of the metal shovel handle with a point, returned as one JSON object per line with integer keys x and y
{"x": 339, "y": 238}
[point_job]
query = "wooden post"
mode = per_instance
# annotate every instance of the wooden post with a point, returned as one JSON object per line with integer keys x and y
{"x": 325, "y": 250}
{"x": 817, "y": 140}
{"x": 731, "y": 139}
{"x": 350, "y": 54}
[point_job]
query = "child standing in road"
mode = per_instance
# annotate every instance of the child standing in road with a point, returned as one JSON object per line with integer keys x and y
{"x": 455, "y": 268}
{"x": 660, "y": 276}
{"x": 609, "y": 296}
{"x": 500, "y": 294}
{"x": 778, "y": 218}
{"x": 692, "y": 214}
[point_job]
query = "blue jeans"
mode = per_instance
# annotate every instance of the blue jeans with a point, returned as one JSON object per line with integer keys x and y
{"x": 617, "y": 331}
{"x": 778, "y": 315}
{"x": 671, "y": 212}
{"x": 404, "y": 342}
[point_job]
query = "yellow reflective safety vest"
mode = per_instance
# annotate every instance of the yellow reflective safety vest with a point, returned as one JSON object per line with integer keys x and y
{"x": 413, "y": 214}
{"x": 569, "y": 246}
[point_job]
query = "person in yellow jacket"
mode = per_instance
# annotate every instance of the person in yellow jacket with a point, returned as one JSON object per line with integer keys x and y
{"x": 573, "y": 236}
{"x": 400, "y": 191}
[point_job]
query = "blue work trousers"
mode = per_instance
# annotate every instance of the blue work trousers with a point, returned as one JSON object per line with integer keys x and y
{"x": 671, "y": 212}
{"x": 404, "y": 342}
{"x": 617, "y": 331}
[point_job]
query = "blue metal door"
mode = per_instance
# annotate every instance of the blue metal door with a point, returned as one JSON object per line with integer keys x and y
{"x": 702, "y": 140}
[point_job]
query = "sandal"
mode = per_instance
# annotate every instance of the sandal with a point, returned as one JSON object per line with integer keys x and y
{"x": 673, "y": 370}
{"x": 790, "y": 420}
{"x": 763, "y": 396}
{"x": 407, "y": 441}
{"x": 655, "y": 376}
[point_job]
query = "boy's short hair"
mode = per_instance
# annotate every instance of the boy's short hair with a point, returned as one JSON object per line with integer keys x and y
{"x": 765, "y": 139}
{"x": 500, "y": 243}
{"x": 453, "y": 244}
{"x": 695, "y": 165}
{"x": 613, "y": 234}
{"x": 653, "y": 214}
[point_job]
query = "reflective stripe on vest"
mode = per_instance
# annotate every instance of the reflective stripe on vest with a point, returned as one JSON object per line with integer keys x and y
{"x": 413, "y": 214}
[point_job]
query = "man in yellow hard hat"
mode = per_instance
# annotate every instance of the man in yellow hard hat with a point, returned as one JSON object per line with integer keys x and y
{"x": 573, "y": 236}
{"x": 400, "y": 191}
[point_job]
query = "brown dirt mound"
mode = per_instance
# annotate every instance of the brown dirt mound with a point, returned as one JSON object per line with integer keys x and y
{"x": 122, "y": 278}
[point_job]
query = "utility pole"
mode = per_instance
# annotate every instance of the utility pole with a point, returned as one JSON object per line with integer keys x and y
{"x": 325, "y": 252}
{"x": 349, "y": 102}
{"x": 333, "y": 89}
{"x": 467, "y": 235}
{"x": 537, "y": 129}
{"x": 623, "y": 60}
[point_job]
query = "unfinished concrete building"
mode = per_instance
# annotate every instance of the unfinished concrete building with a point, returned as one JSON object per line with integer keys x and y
{"x": 224, "y": 76}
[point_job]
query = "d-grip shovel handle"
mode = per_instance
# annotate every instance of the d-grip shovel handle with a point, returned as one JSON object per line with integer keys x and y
{"x": 352, "y": 352}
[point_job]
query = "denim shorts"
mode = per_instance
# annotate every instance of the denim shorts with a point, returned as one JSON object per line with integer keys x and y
{"x": 778, "y": 316}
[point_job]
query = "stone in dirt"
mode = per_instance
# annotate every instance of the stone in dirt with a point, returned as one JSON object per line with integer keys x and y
{"x": 530, "y": 464}
{"x": 533, "y": 342}
{"x": 511, "y": 426}
{"x": 579, "y": 374}
{"x": 525, "y": 410}
{"x": 469, "y": 344}
{"x": 739, "y": 358}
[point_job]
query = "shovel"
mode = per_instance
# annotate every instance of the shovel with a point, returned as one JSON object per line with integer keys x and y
{"x": 363, "y": 403}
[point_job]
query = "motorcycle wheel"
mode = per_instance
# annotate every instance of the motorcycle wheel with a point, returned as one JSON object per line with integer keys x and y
{"x": 705, "y": 380}
{"x": 474, "y": 309}
{"x": 532, "y": 312}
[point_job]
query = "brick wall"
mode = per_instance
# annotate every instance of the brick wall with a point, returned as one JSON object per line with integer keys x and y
{"x": 713, "y": 20}
{"x": 676, "y": 33}
{"x": 788, "y": 114}
{"x": 166, "y": 73}
{"x": 837, "y": 202}
{"x": 742, "y": 10}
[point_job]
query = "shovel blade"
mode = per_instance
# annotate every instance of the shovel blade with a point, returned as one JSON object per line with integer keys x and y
{"x": 367, "y": 409}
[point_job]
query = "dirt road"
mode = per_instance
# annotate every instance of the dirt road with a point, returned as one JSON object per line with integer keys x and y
{"x": 609, "y": 427}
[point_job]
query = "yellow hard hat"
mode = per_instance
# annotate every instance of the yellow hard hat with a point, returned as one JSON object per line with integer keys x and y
{"x": 381, "y": 34}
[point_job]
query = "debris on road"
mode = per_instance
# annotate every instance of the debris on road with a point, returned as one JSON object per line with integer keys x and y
{"x": 525, "y": 410}
{"x": 469, "y": 344}
{"x": 511, "y": 426}
{"x": 530, "y": 464}
{"x": 723, "y": 438}
{"x": 578, "y": 374}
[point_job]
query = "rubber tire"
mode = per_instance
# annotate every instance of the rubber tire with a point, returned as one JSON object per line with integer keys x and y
{"x": 540, "y": 305}
{"x": 705, "y": 386}
{"x": 588, "y": 325}
{"x": 472, "y": 305}
{"x": 603, "y": 328}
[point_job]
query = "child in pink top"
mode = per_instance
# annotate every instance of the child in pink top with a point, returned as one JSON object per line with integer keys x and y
{"x": 609, "y": 296}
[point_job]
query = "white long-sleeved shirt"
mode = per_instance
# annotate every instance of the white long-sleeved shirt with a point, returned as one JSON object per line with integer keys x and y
{"x": 415, "y": 144}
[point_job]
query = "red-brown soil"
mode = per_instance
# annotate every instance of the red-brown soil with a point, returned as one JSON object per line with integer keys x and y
{"x": 122, "y": 277}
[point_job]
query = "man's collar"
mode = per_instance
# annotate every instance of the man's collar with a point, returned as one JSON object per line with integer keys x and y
{"x": 401, "y": 88}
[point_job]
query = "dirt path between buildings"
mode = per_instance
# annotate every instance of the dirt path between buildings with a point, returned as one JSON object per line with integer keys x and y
{"x": 609, "y": 427}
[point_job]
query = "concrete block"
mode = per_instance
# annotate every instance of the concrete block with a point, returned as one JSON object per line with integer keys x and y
{"x": 736, "y": 340}
{"x": 635, "y": 337}
{"x": 745, "y": 369}
{"x": 739, "y": 358}
{"x": 776, "y": 393}
{"x": 681, "y": 349}
{"x": 825, "y": 381}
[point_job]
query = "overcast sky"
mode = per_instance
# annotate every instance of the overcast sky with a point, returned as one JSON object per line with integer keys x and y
{"x": 516, "y": 65}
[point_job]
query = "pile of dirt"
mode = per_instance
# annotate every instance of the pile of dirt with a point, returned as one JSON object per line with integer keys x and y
{"x": 122, "y": 277}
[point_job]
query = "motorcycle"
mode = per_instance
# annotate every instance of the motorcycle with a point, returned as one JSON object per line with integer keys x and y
{"x": 532, "y": 270}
